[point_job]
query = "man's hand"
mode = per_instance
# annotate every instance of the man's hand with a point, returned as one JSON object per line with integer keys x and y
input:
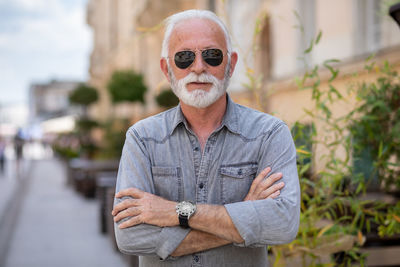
{"x": 263, "y": 188}
{"x": 144, "y": 207}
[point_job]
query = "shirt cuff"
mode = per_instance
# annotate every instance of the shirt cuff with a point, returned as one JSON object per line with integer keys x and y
{"x": 246, "y": 220}
{"x": 170, "y": 238}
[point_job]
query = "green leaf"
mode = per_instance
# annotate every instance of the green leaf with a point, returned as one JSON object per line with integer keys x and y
{"x": 370, "y": 57}
{"x": 335, "y": 91}
{"x": 325, "y": 109}
{"x": 334, "y": 72}
{"x": 304, "y": 168}
{"x": 318, "y": 37}
{"x": 380, "y": 149}
{"x": 310, "y": 48}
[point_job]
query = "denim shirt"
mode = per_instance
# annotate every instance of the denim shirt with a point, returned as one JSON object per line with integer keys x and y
{"x": 162, "y": 155}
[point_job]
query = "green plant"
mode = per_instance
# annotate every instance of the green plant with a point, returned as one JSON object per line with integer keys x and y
{"x": 85, "y": 124}
{"x": 126, "y": 85}
{"x": 332, "y": 207}
{"x": 376, "y": 130}
{"x": 83, "y": 95}
{"x": 167, "y": 99}
{"x": 114, "y": 138}
{"x": 66, "y": 146}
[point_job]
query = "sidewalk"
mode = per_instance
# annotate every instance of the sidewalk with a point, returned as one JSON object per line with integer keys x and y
{"x": 56, "y": 226}
{"x": 8, "y": 183}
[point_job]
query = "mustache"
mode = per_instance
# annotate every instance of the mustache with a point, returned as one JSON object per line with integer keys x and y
{"x": 202, "y": 78}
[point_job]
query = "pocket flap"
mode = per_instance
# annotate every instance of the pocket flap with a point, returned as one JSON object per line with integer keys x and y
{"x": 238, "y": 171}
{"x": 165, "y": 171}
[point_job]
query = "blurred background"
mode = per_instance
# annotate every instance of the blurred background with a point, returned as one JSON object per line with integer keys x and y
{"x": 75, "y": 74}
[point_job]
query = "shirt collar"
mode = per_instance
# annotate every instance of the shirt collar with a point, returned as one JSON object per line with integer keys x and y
{"x": 230, "y": 120}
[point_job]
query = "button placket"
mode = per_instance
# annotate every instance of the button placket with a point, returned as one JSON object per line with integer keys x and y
{"x": 196, "y": 154}
{"x": 203, "y": 170}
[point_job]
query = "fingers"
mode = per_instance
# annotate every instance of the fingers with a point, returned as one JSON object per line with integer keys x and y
{"x": 131, "y": 222}
{"x": 275, "y": 194}
{"x": 260, "y": 177}
{"x": 267, "y": 183}
{"x": 127, "y": 203}
{"x": 130, "y": 212}
{"x": 273, "y": 191}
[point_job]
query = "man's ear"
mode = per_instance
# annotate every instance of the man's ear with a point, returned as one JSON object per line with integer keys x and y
{"x": 234, "y": 59}
{"x": 164, "y": 67}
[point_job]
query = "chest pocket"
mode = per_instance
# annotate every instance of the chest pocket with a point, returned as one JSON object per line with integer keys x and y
{"x": 168, "y": 182}
{"x": 236, "y": 181}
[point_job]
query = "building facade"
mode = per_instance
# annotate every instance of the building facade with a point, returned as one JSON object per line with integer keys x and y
{"x": 51, "y": 100}
{"x": 270, "y": 37}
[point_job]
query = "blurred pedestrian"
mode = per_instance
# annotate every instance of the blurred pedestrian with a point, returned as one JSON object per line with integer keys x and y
{"x": 2, "y": 156}
{"x": 19, "y": 147}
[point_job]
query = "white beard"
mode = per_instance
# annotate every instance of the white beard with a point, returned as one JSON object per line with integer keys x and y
{"x": 198, "y": 98}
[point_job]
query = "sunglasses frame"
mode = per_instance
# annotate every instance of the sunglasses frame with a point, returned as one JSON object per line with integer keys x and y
{"x": 203, "y": 56}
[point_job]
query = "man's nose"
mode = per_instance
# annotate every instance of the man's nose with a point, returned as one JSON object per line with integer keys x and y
{"x": 198, "y": 66}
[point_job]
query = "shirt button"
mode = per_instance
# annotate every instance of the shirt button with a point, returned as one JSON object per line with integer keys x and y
{"x": 201, "y": 185}
{"x": 240, "y": 172}
{"x": 196, "y": 258}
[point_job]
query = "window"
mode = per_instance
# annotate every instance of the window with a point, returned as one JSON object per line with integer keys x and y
{"x": 265, "y": 54}
{"x": 367, "y": 26}
{"x": 306, "y": 16}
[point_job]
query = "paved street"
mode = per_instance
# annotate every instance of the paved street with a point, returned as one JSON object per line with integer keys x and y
{"x": 54, "y": 226}
{"x": 8, "y": 183}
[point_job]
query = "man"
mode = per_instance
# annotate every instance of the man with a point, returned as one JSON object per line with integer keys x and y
{"x": 211, "y": 152}
{"x": 2, "y": 156}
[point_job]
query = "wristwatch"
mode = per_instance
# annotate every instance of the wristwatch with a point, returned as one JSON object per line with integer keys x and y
{"x": 185, "y": 209}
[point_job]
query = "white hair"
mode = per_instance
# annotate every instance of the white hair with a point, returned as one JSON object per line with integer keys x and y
{"x": 173, "y": 20}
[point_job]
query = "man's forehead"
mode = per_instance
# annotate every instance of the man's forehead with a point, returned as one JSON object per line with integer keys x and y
{"x": 197, "y": 23}
{"x": 197, "y": 29}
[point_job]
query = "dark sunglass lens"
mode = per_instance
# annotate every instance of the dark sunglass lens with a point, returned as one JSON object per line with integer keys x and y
{"x": 184, "y": 59}
{"x": 213, "y": 57}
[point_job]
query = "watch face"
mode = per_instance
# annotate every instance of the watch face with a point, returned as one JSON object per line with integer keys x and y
{"x": 185, "y": 208}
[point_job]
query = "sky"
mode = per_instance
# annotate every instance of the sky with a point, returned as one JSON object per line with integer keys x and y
{"x": 41, "y": 40}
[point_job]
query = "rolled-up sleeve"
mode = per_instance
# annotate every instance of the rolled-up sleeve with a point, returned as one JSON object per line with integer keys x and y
{"x": 272, "y": 221}
{"x": 135, "y": 171}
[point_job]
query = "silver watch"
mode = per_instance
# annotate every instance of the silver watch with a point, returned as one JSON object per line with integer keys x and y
{"x": 185, "y": 209}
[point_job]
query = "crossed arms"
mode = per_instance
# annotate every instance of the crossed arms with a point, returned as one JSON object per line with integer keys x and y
{"x": 212, "y": 224}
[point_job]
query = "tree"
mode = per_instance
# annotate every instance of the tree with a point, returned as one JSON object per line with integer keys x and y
{"x": 126, "y": 85}
{"x": 83, "y": 95}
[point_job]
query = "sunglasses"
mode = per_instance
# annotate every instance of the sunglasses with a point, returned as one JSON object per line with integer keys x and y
{"x": 212, "y": 57}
